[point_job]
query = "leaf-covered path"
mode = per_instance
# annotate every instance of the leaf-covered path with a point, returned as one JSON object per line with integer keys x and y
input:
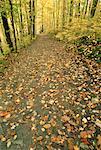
{"x": 50, "y": 100}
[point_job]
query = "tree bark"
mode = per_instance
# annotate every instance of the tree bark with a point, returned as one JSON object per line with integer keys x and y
{"x": 79, "y": 9}
{"x": 71, "y": 11}
{"x": 27, "y": 18}
{"x": 33, "y": 18}
{"x": 42, "y": 30}
{"x": 21, "y": 19}
{"x": 7, "y": 30}
{"x": 12, "y": 21}
{"x": 86, "y": 8}
{"x": 64, "y": 14}
{"x": 93, "y": 9}
{"x": 30, "y": 18}
{"x": 1, "y": 48}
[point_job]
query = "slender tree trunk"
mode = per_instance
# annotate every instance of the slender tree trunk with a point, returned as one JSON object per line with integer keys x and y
{"x": 53, "y": 21}
{"x": 30, "y": 18}
{"x": 42, "y": 30}
{"x": 1, "y": 50}
{"x": 17, "y": 32}
{"x": 64, "y": 14}
{"x": 7, "y": 30}
{"x": 93, "y": 9}
{"x": 27, "y": 18}
{"x": 71, "y": 11}
{"x": 21, "y": 19}
{"x": 57, "y": 15}
{"x": 33, "y": 18}
{"x": 18, "y": 25}
{"x": 86, "y": 8}
{"x": 79, "y": 9}
{"x": 12, "y": 21}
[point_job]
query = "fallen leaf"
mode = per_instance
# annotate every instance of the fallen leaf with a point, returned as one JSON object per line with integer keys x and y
{"x": 5, "y": 114}
{"x": 98, "y": 123}
{"x": 47, "y": 126}
{"x": 83, "y": 134}
{"x": 45, "y": 118}
{"x": 76, "y": 147}
{"x": 53, "y": 122}
{"x": 2, "y": 138}
{"x": 40, "y": 138}
{"x": 9, "y": 143}
{"x": 65, "y": 118}
{"x": 84, "y": 120}
{"x": 56, "y": 139}
{"x": 70, "y": 142}
{"x": 99, "y": 140}
{"x": 85, "y": 141}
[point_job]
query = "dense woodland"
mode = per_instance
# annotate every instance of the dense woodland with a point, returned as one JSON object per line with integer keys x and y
{"x": 21, "y": 20}
{"x": 50, "y": 74}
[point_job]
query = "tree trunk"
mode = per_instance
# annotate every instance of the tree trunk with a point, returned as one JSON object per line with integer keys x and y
{"x": 27, "y": 18}
{"x": 71, "y": 11}
{"x": 12, "y": 21}
{"x": 79, "y": 9}
{"x": 1, "y": 50}
{"x": 21, "y": 19}
{"x": 93, "y": 9}
{"x": 33, "y": 18}
{"x": 30, "y": 18}
{"x": 86, "y": 8}
{"x": 42, "y": 30}
{"x": 7, "y": 30}
{"x": 64, "y": 14}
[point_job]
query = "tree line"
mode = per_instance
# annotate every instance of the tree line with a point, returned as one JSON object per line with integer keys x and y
{"x": 18, "y": 17}
{"x": 72, "y": 9}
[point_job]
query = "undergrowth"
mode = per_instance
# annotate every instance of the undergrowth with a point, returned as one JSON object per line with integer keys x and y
{"x": 85, "y": 35}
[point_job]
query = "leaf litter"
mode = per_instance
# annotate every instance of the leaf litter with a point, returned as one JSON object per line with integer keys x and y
{"x": 57, "y": 93}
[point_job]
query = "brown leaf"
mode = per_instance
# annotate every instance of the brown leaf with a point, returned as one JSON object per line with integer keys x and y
{"x": 65, "y": 118}
{"x": 53, "y": 122}
{"x": 99, "y": 140}
{"x": 45, "y": 118}
{"x": 70, "y": 142}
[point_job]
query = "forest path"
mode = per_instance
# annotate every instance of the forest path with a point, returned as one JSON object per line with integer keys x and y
{"x": 40, "y": 105}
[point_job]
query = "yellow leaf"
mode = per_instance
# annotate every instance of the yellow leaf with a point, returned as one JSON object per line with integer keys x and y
{"x": 76, "y": 147}
{"x": 47, "y": 126}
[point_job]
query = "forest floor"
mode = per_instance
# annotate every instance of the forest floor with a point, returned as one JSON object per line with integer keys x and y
{"x": 50, "y": 100}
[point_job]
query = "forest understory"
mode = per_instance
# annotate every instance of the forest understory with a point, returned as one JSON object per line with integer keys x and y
{"x": 50, "y": 99}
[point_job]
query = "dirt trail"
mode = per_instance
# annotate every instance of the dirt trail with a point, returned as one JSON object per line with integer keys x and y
{"x": 40, "y": 105}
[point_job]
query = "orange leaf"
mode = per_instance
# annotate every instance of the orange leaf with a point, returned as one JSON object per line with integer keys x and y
{"x": 85, "y": 141}
{"x": 4, "y": 114}
{"x": 83, "y": 134}
{"x": 45, "y": 118}
{"x": 55, "y": 139}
